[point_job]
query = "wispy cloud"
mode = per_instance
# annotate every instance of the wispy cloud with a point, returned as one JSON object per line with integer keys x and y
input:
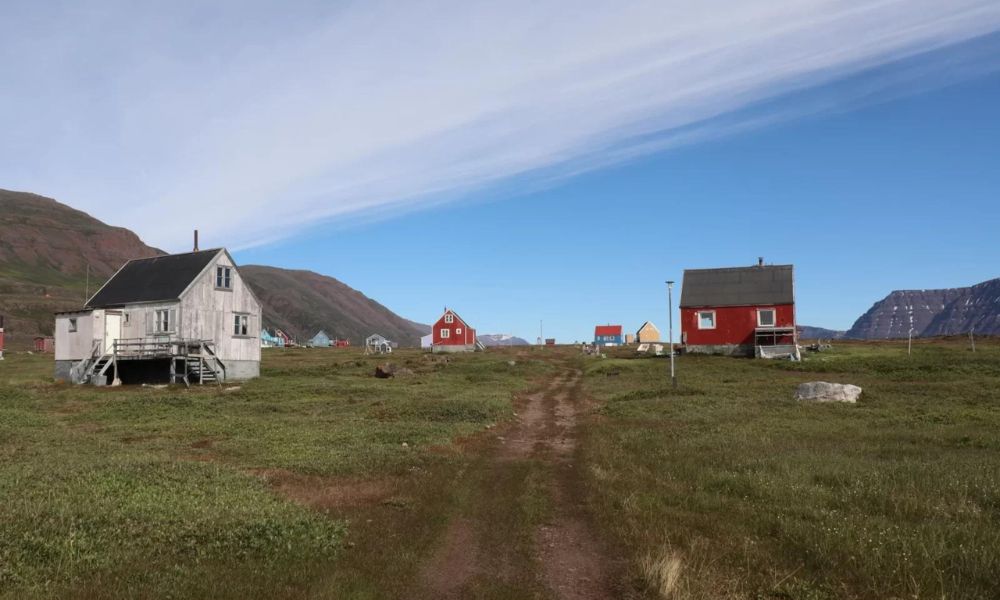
{"x": 252, "y": 120}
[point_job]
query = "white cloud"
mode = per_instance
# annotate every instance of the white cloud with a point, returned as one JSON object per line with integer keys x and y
{"x": 252, "y": 121}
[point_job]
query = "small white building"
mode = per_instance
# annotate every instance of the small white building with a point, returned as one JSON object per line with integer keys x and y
{"x": 427, "y": 341}
{"x": 378, "y": 344}
{"x": 178, "y": 318}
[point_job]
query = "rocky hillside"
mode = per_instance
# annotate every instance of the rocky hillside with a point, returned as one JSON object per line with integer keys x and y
{"x": 302, "y": 302}
{"x": 46, "y": 247}
{"x": 932, "y": 312}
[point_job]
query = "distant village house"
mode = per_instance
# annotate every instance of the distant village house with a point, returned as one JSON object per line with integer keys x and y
{"x": 452, "y": 334}
{"x": 647, "y": 334}
{"x": 608, "y": 335}
{"x": 748, "y": 311}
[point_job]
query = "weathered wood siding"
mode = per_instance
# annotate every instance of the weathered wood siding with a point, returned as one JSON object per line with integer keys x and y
{"x": 77, "y": 345}
{"x": 208, "y": 313}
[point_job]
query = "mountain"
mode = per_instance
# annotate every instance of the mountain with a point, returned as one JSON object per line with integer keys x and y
{"x": 47, "y": 248}
{"x": 302, "y": 302}
{"x": 807, "y": 332}
{"x": 500, "y": 339}
{"x": 932, "y": 312}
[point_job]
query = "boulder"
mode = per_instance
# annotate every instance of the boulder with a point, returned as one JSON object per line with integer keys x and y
{"x": 385, "y": 371}
{"x": 821, "y": 391}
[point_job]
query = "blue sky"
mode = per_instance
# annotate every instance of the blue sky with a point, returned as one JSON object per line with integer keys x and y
{"x": 526, "y": 161}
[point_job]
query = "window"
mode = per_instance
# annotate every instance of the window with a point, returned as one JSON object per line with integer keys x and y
{"x": 458, "y": 331}
{"x": 241, "y": 324}
{"x": 445, "y": 333}
{"x": 223, "y": 278}
{"x": 706, "y": 319}
{"x": 72, "y": 325}
{"x": 449, "y": 318}
{"x": 162, "y": 320}
{"x": 125, "y": 319}
{"x": 765, "y": 317}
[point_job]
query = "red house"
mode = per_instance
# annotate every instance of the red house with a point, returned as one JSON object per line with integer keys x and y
{"x": 452, "y": 334}
{"x": 748, "y": 311}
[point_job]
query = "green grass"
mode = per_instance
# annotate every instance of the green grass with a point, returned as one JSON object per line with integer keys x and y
{"x": 755, "y": 495}
{"x": 142, "y": 492}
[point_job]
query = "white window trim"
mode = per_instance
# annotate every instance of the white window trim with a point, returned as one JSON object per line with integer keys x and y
{"x": 774, "y": 317}
{"x": 222, "y": 276}
{"x": 715, "y": 321}
{"x": 449, "y": 318}
{"x": 445, "y": 333}
{"x": 458, "y": 331}
{"x": 244, "y": 324}
{"x": 171, "y": 326}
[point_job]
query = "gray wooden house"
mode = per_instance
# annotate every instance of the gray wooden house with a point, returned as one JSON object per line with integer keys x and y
{"x": 181, "y": 318}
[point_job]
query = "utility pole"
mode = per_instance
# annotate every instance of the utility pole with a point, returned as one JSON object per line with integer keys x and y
{"x": 909, "y": 342}
{"x": 670, "y": 309}
{"x": 86, "y": 291}
{"x": 972, "y": 338}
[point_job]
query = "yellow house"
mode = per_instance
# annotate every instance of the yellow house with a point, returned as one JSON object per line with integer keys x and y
{"x": 647, "y": 333}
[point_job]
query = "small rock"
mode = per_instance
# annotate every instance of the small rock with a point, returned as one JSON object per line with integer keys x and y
{"x": 235, "y": 388}
{"x": 821, "y": 391}
{"x": 405, "y": 445}
{"x": 511, "y": 363}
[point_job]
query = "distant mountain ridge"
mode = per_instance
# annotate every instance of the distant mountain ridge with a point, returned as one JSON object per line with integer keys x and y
{"x": 808, "y": 332}
{"x": 47, "y": 247}
{"x": 949, "y": 311}
{"x": 501, "y": 339}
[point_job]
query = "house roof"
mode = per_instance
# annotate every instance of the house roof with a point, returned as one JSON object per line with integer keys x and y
{"x": 155, "y": 279}
{"x": 649, "y": 323}
{"x": 738, "y": 286}
{"x": 608, "y": 330}
{"x": 448, "y": 310}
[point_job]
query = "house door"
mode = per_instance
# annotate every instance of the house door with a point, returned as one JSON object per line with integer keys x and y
{"x": 112, "y": 330}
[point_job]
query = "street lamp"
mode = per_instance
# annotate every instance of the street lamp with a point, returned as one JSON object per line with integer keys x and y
{"x": 670, "y": 309}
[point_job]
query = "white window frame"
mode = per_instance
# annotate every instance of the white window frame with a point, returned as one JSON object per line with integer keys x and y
{"x": 241, "y": 325}
{"x": 161, "y": 321}
{"x": 223, "y": 277}
{"x": 774, "y": 317}
{"x": 449, "y": 318}
{"x": 458, "y": 331}
{"x": 445, "y": 334}
{"x": 715, "y": 321}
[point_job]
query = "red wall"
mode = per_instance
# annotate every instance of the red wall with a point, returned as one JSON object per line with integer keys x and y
{"x": 733, "y": 324}
{"x": 467, "y": 337}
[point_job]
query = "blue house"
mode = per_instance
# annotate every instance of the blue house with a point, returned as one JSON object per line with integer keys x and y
{"x": 267, "y": 340}
{"x": 608, "y": 335}
{"x": 321, "y": 340}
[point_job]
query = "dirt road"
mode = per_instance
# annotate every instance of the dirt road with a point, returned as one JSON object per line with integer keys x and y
{"x": 524, "y": 532}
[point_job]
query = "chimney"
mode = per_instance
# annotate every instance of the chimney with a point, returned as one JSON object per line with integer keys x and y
{"x": 760, "y": 259}
{"x": 196, "y": 240}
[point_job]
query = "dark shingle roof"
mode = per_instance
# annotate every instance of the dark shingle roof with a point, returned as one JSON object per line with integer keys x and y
{"x": 152, "y": 279}
{"x": 739, "y": 286}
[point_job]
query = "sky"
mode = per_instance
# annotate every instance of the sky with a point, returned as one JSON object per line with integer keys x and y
{"x": 526, "y": 162}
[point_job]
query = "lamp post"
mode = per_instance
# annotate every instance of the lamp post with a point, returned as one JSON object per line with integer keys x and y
{"x": 670, "y": 309}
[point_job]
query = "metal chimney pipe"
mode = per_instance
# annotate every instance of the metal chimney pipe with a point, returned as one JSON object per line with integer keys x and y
{"x": 760, "y": 261}
{"x": 195, "y": 240}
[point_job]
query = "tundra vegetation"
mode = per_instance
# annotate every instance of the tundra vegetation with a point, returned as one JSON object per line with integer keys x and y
{"x": 320, "y": 481}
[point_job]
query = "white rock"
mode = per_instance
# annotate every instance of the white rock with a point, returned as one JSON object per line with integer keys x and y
{"x": 821, "y": 391}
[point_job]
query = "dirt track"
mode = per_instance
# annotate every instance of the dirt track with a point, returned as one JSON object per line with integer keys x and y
{"x": 567, "y": 557}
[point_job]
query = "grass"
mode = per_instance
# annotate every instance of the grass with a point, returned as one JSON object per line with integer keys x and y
{"x": 728, "y": 488}
{"x": 142, "y": 492}
{"x": 723, "y": 488}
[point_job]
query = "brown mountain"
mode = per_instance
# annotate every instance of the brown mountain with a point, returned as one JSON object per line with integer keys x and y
{"x": 302, "y": 302}
{"x": 932, "y": 312}
{"x": 46, "y": 247}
